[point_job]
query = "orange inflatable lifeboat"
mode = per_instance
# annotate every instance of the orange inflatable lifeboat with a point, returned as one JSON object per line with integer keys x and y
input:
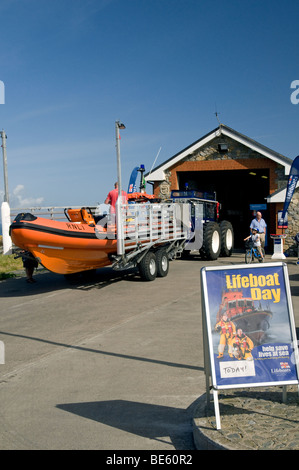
{"x": 65, "y": 247}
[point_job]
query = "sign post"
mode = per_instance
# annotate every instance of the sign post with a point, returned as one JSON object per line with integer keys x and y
{"x": 248, "y": 328}
{"x": 278, "y": 246}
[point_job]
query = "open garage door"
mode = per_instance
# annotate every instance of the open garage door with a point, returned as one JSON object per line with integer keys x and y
{"x": 236, "y": 190}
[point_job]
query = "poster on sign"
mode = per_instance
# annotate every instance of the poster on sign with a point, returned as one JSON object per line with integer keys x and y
{"x": 249, "y": 326}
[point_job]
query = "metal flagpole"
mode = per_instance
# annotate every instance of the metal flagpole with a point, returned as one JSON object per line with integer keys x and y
{"x": 119, "y": 226}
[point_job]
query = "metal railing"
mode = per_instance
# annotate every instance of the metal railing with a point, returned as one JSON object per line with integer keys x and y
{"x": 153, "y": 222}
{"x": 53, "y": 213}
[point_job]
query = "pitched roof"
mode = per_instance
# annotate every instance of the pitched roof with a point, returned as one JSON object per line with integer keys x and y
{"x": 278, "y": 195}
{"x": 158, "y": 173}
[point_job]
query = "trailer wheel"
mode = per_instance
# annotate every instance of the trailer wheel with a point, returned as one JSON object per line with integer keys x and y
{"x": 211, "y": 241}
{"x": 148, "y": 267}
{"x": 162, "y": 262}
{"x": 227, "y": 238}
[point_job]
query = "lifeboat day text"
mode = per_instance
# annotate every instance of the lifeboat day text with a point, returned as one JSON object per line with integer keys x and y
{"x": 261, "y": 287}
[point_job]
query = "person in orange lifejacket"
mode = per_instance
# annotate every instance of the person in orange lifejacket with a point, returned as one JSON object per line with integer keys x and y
{"x": 227, "y": 330}
{"x": 242, "y": 346}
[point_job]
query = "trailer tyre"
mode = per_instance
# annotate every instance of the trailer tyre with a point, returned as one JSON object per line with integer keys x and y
{"x": 227, "y": 238}
{"x": 211, "y": 241}
{"x": 148, "y": 267}
{"x": 162, "y": 263}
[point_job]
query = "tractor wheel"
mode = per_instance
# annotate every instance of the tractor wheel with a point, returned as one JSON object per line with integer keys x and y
{"x": 211, "y": 245}
{"x": 227, "y": 238}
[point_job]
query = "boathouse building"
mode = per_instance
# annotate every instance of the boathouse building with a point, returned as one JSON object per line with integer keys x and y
{"x": 246, "y": 176}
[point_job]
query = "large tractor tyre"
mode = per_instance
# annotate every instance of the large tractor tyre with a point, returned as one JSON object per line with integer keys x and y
{"x": 211, "y": 245}
{"x": 227, "y": 238}
{"x": 162, "y": 262}
{"x": 148, "y": 267}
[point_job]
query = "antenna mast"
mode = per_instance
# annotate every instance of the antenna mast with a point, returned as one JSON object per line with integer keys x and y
{"x": 216, "y": 114}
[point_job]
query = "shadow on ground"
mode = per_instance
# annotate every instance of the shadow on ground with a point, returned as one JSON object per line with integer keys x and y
{"x": 157, "y": 422}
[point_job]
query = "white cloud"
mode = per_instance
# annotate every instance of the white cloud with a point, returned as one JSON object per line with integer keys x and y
{"x": 20, "y": 200}
{"x": 18, "y": 189}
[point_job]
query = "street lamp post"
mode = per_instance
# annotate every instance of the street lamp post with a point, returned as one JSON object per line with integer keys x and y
{"x": 119, "y": 225}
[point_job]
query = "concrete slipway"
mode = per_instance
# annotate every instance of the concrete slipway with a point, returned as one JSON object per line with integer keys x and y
{"x": 111, "y": 363}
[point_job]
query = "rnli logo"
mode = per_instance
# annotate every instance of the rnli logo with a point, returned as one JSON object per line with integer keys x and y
{"x": 75, "y": 226}
{"x": 283, "y": 368}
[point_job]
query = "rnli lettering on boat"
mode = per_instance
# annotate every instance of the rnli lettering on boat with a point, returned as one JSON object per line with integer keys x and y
{"x": 237, "y": 281}
{"x": 75, "y": 226}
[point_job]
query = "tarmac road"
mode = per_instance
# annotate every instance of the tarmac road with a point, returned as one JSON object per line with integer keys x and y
{"x": 111, "y": 363}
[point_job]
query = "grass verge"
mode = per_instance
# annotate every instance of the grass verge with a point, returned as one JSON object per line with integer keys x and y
{"x": 8, "y": 264}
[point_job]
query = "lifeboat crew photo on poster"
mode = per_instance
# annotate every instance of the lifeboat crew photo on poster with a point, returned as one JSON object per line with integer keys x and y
{"x": 227, "y": 330}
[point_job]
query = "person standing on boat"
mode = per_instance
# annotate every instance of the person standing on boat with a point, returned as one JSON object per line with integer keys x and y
{"x": 260, "y": 226}
{"x": 112, "y": 198}
{"x": 227, "y": 330}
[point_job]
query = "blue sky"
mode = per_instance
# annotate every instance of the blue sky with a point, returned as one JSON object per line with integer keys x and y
{"x": 71, "y": 68}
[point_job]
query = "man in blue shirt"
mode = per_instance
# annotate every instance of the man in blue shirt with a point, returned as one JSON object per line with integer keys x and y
{"x": 260, "y": 225}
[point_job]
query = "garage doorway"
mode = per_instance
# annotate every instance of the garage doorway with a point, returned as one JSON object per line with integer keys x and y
{"x": 236, "y": 190}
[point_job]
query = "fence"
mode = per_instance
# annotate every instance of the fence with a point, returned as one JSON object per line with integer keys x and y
{"x": 54, "y": 213}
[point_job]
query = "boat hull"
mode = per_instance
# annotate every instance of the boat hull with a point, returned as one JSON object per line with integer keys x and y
{"x": 255, "y": 324}
{"x": 63, "y": 247}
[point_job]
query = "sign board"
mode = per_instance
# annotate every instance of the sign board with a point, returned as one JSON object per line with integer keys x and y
{"x": 258, "y": 207}
{"x": 249, "y": 329}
